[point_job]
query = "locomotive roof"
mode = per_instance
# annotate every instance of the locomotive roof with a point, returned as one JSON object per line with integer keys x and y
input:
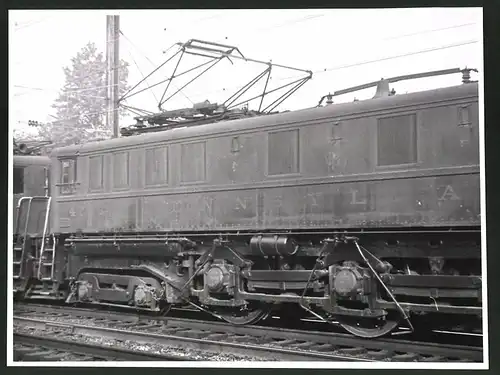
{"x": 27, "y": 160}
{"x": 310, "y": 114}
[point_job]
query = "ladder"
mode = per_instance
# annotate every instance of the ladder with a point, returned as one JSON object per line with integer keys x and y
{"x": 33, "y": 215}
{"x": 20, "y": 238}
{"x": 18, "y": 256}
{"x": 47, "y": 259}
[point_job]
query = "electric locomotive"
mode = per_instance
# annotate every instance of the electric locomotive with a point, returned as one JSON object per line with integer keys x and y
{"x": 364, "y": 213}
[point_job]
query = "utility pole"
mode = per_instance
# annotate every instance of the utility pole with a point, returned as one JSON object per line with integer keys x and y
{"x": 112, "y": 72}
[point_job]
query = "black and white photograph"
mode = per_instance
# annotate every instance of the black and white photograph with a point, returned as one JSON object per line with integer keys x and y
{"x": 277, "y": 188}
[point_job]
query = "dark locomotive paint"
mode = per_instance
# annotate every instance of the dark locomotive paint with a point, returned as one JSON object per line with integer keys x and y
{"x": 432, "y": 201}
{"x": 455, "y": 96}
{"x": 261, "y": 200}
{"x": 330, "y": 174}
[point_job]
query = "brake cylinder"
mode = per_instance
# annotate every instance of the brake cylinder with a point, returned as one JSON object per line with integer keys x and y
{"x": 272, "y": 245}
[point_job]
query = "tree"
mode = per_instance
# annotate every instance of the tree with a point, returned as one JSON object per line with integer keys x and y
{"x": 23, "y": 135}
{"x": 82, "y": 105}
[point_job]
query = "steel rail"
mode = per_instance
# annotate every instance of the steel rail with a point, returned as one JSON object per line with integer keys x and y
{"x": 270, "y": 353}
{"x": 279, "y": 335}
{"x": 90, "y": 350}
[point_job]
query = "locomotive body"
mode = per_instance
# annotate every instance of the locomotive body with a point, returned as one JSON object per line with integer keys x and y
{"x": 364, "y": 213}
{"x": 407, "y": 161}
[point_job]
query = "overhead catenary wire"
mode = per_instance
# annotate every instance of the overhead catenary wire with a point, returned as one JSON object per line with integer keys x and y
{"x": 65, "y": 91}
{"x": 432, "y": 49}
{"x": 137, "y": 48}
{"x": 316, "y": 72}
{"x": 352, "y": 65}
{"x": 291, "y": 22}
{"x": 28, "y": 24}
{"x": 68, "y": 118}
{"x": 137, "y": 66}
{"x": 313, "y": 16}
{"x": 345, "y": 66}
{"x": 286, "y": 23}
{"x": 430, "y": 31}
{"x": 81, "y": 78}
{"x": 84, "y": 114}
{"x": 154, "y": 65}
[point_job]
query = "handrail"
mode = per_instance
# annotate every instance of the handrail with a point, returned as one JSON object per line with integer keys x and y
{"x": 18, "y": 207}
{"x": 465, "y": 79}
{"x": 42, "y": 248}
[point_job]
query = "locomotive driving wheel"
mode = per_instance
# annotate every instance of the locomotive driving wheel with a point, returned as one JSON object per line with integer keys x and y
{"x": 251, "y": 314}
{"x": 370, "y": 327}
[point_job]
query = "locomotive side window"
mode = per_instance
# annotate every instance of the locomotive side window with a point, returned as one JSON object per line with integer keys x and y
{"x": 157, "y": 166}
{"x": 397, "y": 140}
{"x": 96, "y": 173}
{"x": 18, "y": 180}
{"x": 283, "y": 152}
{"x": 120, "y": 170}
{"x": 68, "y": 175}
{"x": 464, "y": 115}
{"x": 193, "y": 162}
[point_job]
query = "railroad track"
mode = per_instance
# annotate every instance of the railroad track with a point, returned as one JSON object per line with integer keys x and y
{"x": 258, "y": 342}
{"x": 459, "y": 335}
{"x": 52, "y": 349}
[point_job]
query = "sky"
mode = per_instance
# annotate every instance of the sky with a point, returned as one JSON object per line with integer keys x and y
{"x": 342, "y": 47}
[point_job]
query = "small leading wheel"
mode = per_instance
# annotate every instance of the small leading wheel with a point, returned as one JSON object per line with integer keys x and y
{"x": 251, "y": 315}
{"x": 369, "y": 327}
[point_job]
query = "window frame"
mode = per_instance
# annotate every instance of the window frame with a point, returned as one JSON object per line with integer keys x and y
{"x": 204, "y": 155}
{"x": 414, "y": 140}
{"x": 126, "y": 185}
{"x": 297, "y": 160}
{"x": 101, "y": 187}
{"x": 68, "y": 188}
{"x": 155, "y": 183}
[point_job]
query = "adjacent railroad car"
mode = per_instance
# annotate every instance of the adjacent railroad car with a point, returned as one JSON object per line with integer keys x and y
{"x": 30, "y": 178}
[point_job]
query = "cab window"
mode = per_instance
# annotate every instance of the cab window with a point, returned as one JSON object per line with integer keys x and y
{"x": 68, "y": 176}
